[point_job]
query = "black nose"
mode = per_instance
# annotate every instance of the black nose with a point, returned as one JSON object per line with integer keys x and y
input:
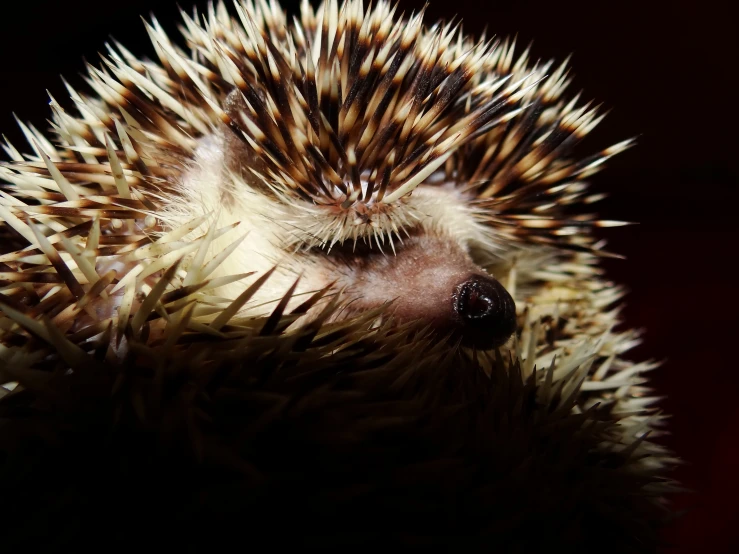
{"x": 486, "y": 312}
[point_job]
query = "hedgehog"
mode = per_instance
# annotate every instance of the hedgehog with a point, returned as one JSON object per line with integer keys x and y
{"x": 337, "y": 271}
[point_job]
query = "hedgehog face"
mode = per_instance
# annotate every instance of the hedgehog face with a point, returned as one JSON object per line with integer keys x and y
{"x": 403, "y": 165}
{"x": 377, "y": 155}
{"x": 422, "y": 266}
{"x": 427, "y": 273}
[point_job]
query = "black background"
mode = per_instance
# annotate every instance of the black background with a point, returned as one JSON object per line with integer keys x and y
{"x": 668, "y": 71}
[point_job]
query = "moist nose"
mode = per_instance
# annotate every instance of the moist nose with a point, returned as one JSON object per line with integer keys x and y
{"x": 485, "y": 310}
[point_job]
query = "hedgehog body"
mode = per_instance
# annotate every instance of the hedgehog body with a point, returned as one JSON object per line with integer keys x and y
{"x": 330, "y": 219}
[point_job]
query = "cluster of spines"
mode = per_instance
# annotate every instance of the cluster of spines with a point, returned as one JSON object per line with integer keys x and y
{"x": 226, "y": 406}
{"x": 346, "y": 110}
{"x": 372, "y": 111}
{"x": 94, "y": 201}
{"x": 570, "y": 326}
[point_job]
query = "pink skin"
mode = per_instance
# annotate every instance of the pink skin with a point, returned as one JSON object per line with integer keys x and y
{"x": 424, "y": 280}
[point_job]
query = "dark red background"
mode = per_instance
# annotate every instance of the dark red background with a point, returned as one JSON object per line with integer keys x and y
{"x": 668, "y": 70}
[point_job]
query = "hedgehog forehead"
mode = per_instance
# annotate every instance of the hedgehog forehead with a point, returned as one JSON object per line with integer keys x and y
{"x": 346, "y": 107}
{"x": 439, "y": 209}
{"x": 436, "y": 206}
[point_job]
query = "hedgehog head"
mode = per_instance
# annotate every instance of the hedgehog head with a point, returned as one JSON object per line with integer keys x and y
{"x": 400, "y": 163}
{"x": 410, "y": 167}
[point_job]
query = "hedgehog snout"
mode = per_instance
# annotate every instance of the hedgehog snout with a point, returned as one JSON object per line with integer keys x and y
{"x": 432, "y": 280}
{"x": 485, "y": 310}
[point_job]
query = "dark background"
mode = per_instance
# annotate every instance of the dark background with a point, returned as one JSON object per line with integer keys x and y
{"x": 668, "y": 70}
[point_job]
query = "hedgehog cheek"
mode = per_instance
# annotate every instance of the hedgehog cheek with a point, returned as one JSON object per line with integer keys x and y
{"x": 484, "y": 312}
